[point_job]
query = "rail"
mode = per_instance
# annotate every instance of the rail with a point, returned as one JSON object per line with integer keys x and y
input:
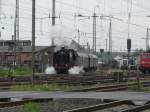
{"x": 111, "y": 87}
{"x": 101, "y": 106}
{"x": 138, "y": 109}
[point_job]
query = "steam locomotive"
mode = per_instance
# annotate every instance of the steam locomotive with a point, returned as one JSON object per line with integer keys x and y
{"x": 64, "y": 59}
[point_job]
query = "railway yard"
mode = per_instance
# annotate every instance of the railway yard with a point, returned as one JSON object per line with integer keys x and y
{"x": 116, "y": 90}
{"x": 74, "y": 56}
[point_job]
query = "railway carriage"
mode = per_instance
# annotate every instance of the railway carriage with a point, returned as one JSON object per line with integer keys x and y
{"x": 82, "y": 61}
{"x": 93, "y": 62}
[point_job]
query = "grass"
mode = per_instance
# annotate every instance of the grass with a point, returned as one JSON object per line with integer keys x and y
{"x": 42, "y": 87}
{"x": 22, "y": 71}
{"x": 147, "y": 89}
{"x": 141, "y": 88}
{"x": 18, "y": 71}
{"x": 31, "y": 107}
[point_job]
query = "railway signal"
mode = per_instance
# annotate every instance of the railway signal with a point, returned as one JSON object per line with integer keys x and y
{"x": 129, "y": 45}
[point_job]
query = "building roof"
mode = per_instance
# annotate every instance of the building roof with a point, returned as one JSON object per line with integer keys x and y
{"x": 23, "y": 49}
{"x": 78, "y": 47}
{"x": 13, "y": 40}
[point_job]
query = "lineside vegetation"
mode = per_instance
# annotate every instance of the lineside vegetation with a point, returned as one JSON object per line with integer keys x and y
{"x": 42, "y": 87}
{"x": 31, "y": 107}
{"x": 17, "y": 71}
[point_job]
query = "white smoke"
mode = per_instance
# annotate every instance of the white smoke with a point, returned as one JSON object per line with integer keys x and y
{"x": 60, "y": 36}
{"x": 75, "y": 70}
{"x": 50, "y": 70}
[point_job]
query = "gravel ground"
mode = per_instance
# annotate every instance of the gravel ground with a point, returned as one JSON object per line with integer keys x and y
{"x": 117, "y": 108}
{"x": 58, "y": 105}
{"x": 146, "y": 110}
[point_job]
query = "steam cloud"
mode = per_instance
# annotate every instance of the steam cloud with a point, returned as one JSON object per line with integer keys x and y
{"x": 50, "y": 70}
{"x": 75, "y": 70}
{"x": 60, "y": 35}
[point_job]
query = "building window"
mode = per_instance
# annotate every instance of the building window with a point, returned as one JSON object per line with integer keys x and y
{"x": 26, "y": 43}
{"x": 6, "y": 44}
{"x": 1, "y": 43}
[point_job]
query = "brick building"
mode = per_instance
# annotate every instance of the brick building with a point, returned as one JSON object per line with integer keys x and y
{"x": 23, "y": 56}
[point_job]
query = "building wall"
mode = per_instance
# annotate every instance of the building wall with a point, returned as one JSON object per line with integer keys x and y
{"x": 12, "y": 43}
{"x": 25, "y": 57}
{"x": 43, "y": 58}
{"x": 8, "y": 58}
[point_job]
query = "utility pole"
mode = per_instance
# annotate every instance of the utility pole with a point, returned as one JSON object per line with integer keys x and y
{"x": 94, "y": 16}
{"x": 53, "y": 18}
{"x": 16, "y": 32}
{"x": 33, "y": 41}
{"x": 17, "y": 28}
{"x": 129, "y": 16}
{"x": 147, "y": 40}
{"x": 53, "y": 13}
{"x": 0, "y": 17}
{"x": 88, "y": 47}
{"x": 78, "y": 36}
{"x": 0, "y": 9}
{"x": 106, "y": 45}
{"x": 17, "y": 21}
{"x": 94, "y": 31}
{"x": 110, "y": 40}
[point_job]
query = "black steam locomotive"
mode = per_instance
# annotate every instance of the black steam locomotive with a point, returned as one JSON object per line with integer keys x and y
{"x": 64, "y": 59}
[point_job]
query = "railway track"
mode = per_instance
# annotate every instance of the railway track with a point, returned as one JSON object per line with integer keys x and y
{"x": 116, "y": 106}
{"x": 138, "y": 109}
{"x": 60, "y": 79}
{"x": 109, "y": 88}
{"x": 117, "y": 87}
{"x": 7, "y": 85}
{"x": 113, "y": 106}
{"x": 101, "y": 106}
{"x": 69, "y": 80}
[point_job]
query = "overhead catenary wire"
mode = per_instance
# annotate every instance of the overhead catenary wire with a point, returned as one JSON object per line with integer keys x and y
{"x": 46, "y": 17}
{"x": 74, "y": 6}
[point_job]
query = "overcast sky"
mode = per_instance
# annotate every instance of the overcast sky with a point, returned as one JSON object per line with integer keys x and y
{"x": 67, "y": 24}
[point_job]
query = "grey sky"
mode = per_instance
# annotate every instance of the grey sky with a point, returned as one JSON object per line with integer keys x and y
{"x": 67, "y": 24}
